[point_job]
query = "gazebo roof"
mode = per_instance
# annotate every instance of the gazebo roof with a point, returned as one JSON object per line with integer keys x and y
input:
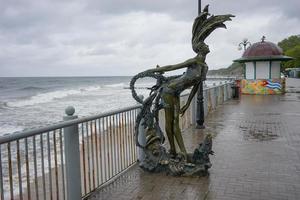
{"x": 263, "y": 51}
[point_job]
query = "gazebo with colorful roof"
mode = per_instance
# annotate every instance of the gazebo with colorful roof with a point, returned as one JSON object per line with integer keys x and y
{"x": 262, "y": 68}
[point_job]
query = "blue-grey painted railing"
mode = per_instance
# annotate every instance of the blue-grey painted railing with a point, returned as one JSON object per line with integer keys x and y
{"x": 42, "y": 163}
{"x": 72, "y": 158}
{"x": 212, "y": 97}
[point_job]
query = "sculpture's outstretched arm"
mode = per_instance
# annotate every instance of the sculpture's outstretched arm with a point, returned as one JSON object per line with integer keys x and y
{"x": 191, "y": 96}
{"x": 166, "y": 68}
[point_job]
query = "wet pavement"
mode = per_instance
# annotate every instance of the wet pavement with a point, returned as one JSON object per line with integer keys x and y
{"x": 257, "y": 155}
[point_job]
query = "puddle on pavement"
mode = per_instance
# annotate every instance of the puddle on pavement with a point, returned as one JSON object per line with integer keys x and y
{"x": 214, "y": 128}
{"x": 290, "y": 91}
{"x": 215, "y": 125}
{"x": 271, "y": 123}
{"x": 258, "y": 135}
{"x": 267, "y": 114}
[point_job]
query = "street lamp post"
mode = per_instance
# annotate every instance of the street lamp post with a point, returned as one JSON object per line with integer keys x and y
{"x": 244, "y": 45}
{"x": 200, "y": 107}
{"x": 199, "y": 7}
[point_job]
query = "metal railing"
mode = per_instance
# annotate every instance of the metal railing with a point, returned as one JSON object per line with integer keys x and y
{"x": 107, "y": 147}
{"x": 39, "y": 163}
{"x": 31, "y": 166}
{"x": 72, "y": 158}
{"x": 216, "y": 95}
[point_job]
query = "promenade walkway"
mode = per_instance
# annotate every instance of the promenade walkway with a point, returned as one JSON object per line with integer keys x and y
{"x": 257, "y": 155}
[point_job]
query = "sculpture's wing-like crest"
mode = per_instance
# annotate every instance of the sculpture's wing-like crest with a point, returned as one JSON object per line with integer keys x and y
{"x": 204, "y": 25}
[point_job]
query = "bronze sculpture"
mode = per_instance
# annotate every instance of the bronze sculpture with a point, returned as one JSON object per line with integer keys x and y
{"x": 165, "y": 95}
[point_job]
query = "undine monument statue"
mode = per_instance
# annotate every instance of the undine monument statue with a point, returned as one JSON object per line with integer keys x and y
{"x": 166, "y": 95}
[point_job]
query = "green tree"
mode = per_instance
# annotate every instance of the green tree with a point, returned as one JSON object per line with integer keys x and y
{"x": 290, "y": 42}
{"x": 295, "y": 53}
{"x": 291, "y": 47}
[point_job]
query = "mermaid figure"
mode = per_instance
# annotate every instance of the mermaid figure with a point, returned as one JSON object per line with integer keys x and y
{"x": 166, "y": 93}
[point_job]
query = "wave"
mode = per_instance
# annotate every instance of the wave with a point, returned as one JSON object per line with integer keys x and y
{"x": 90, "y": 88}
{"x": 126, "y": 85}
{"x": 51, "y": 96}
{"x": 116, "y": 85}
{"x": 30, "y": 88}
{"x": 48, "y": 97}
{"x": 43, "y": 98}
{"x": 3, "y": 104}
{"x": 8, "y": 129}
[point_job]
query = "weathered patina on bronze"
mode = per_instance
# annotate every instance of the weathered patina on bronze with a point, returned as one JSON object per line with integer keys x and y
{"x": 165, "y": 95}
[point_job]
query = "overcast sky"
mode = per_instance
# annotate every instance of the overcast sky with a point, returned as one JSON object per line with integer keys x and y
{"x": 124, "y": 37}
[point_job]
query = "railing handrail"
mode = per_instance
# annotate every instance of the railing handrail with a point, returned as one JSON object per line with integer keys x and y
{"x": 214, "y": 86}
{"x": 62, "y": 124}
{"x": 210, "y": 87}
{"x": 222, "y": 78}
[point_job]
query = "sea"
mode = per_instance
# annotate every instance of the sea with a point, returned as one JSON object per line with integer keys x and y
{"x": 30, "y": 102}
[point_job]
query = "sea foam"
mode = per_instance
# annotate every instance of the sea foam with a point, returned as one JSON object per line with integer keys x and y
{"x": 8, "y": 129}
{"x": 51, "y": 96}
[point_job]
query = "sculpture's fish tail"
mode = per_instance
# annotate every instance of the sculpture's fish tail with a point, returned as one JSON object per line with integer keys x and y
{"x": 146, "y": 113}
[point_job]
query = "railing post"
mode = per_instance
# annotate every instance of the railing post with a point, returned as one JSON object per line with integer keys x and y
{"x": 194, "y": 110}
{"x": 141, "y": 137}
{"x": 72, "y": 157}
{"x": 205, "y": 101}
{"x": 225, "y": 91}
{"x": 215, "y": 97}
{"x": 200, "y": 108}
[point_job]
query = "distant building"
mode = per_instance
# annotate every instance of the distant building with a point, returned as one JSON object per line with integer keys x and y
{"x": 293, "y": 72}
{"x": 262, "y": 69}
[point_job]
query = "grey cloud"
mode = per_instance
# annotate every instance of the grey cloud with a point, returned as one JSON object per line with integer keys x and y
{"x": 122, "y": 37}
{"x": 100, "y": 51}
{"x": 178, "y": 8}
{"x": 187, "y": 9}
